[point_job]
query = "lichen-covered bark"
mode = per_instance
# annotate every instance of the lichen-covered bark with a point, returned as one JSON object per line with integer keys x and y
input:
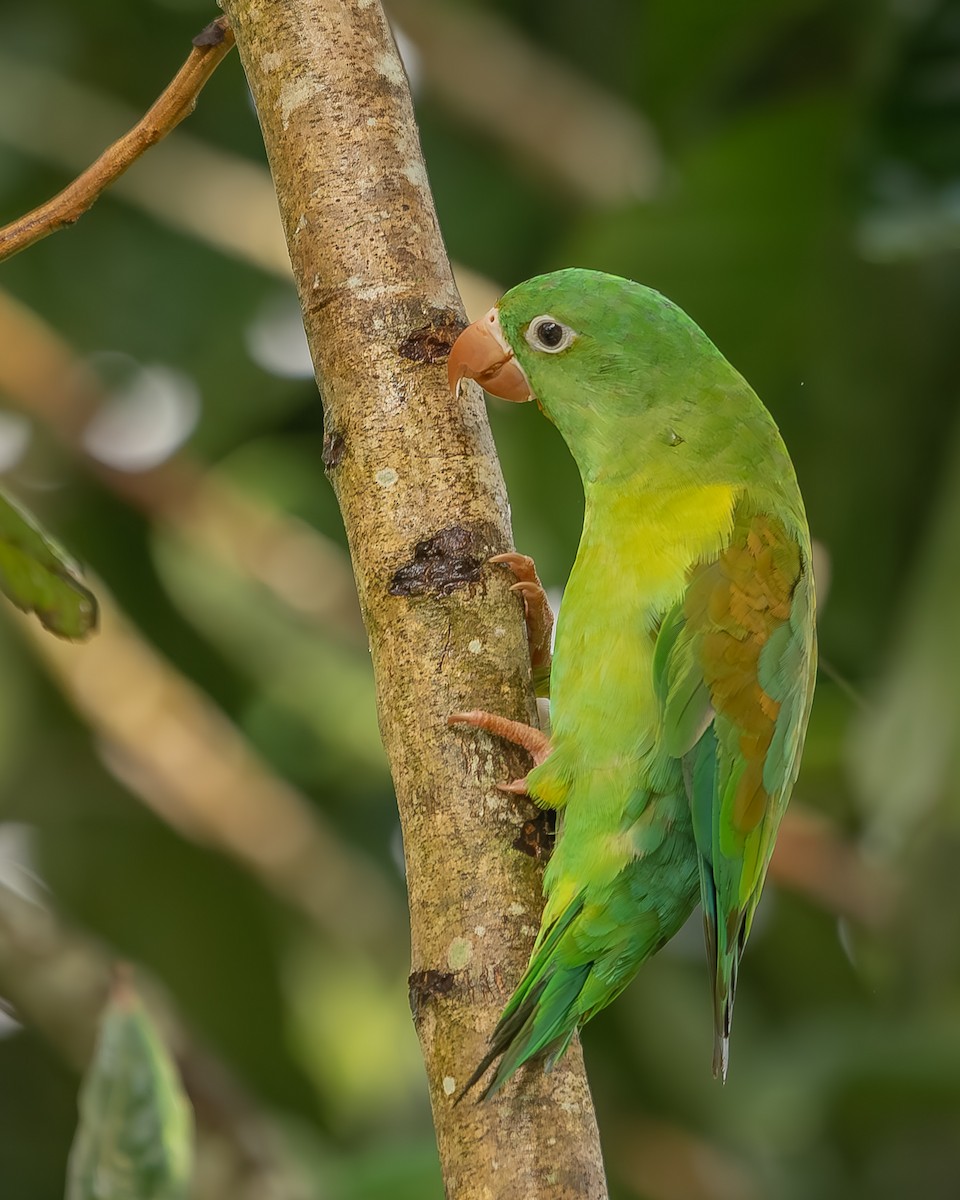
{"x": 424, "y": 507}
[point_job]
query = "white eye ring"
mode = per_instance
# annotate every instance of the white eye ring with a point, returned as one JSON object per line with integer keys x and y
{"x": 547, "y": 334}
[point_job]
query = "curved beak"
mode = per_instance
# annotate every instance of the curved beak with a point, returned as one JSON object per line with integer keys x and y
{"x": 482, "y": 353}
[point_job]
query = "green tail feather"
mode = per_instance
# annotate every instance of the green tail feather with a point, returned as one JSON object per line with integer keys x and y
{"x": 542, "y": 1015}
{"x": 723, "y": 953}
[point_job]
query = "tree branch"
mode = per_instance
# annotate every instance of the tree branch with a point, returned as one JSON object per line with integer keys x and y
{"x": 188, "y": 184}
{"x": 424, "y": 507}
{"x": 175, "y": 102}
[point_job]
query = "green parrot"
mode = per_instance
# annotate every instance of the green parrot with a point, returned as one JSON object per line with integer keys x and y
{"x": 685, "y": 654}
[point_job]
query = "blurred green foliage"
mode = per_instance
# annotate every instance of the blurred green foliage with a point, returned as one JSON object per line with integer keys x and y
{"x": 38, "y": 577}
{"x": 135, "y": 1137}
{"x": 807, "y": 218}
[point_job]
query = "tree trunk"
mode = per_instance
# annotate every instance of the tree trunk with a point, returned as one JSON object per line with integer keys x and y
{"x": 424, "y": 507}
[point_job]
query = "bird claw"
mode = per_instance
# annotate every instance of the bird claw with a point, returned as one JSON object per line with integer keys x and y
{"x": 528, "y": 589}
{"x": 516, "y": 787}
{"x": 536, "y": 607}
{"x": 522, "y": 565}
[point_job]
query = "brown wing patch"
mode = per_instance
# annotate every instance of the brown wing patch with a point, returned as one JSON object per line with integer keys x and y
{"x": 746, "y": 594}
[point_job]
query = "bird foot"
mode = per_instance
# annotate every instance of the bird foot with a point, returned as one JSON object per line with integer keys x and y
{"x": 534, "y": 741}
{"x": 536, "y": 608}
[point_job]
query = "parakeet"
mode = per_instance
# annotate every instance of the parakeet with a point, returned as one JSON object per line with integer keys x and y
{"x": 685, "y": 653}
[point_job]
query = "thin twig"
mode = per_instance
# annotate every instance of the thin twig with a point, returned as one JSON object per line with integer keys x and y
{"x": 176, "y": 101}
{"x": 196, "y": 188}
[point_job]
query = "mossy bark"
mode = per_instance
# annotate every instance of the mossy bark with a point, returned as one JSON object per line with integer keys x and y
{"x": 424, "y": 507}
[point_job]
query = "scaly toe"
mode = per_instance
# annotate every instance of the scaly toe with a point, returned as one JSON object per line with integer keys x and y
{"x": 517, "y": 787}
{"x": 534, "y": 741}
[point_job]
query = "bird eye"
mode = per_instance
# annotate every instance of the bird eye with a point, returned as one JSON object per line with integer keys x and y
{"x": 545, "y": 333}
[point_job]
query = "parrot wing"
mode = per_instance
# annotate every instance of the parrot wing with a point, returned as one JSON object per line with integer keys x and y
{"x": 734, "y": 666}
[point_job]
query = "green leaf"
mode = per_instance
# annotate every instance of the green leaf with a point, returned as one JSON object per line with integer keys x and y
{"x": 135, "y": 1137}
{"x": 37, "y": 576}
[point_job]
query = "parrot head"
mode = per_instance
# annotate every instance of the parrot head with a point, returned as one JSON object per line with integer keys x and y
{"x": 573, "y": 330}
{"x": 612, "y": 364}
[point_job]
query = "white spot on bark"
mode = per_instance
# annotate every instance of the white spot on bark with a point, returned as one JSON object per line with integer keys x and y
{"x": 373, "y": 291}
{"x": 527, "y": 930}
{"x": 499, "y": 631}
{"x": 459, "y": 953}
{"x": 475, "y": 646}
{"x": 480, "y": 930}
{"x": 416, "y": 172}
{"x": 449, "y": 1085}
{"x": 516, "y": 910}
{"x": 271, "y": 60}
{"x": 391, "y": 68}
{"x": 387, "y": 477}
{"x": 294, "y": 94}
{"x": 371, "y": 121}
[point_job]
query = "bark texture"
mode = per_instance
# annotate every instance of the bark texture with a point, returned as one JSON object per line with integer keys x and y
{"x": 424, "y": 506}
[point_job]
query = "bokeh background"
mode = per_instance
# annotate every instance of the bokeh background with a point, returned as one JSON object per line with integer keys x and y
{"x": 201, "y": 789}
